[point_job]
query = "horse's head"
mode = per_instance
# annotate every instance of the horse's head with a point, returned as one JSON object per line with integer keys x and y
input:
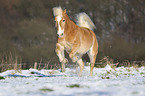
{"x": 60, "y": 20}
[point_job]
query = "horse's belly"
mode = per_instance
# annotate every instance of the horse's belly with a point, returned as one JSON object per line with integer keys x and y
{"x": 82, "y": 50}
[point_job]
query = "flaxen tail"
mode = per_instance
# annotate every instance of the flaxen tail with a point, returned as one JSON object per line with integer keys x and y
{"x": 83, "y": 20}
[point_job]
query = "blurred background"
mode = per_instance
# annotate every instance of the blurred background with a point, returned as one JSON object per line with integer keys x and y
{"x": 28, "y": 34}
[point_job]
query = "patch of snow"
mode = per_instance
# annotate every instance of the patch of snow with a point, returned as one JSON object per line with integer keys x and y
{"x": 121, "y": 81}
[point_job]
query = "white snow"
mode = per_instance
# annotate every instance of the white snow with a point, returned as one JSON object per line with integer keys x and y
{"x": 121, "y": 81}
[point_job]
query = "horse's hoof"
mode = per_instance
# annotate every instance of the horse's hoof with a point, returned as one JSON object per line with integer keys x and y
{"x": 80, "y": 74}
{"x": 75, "y": 58}
{"x": 70, "y": 55}
{"x": 66, "y": 61}
{"x": 91, "y": 75}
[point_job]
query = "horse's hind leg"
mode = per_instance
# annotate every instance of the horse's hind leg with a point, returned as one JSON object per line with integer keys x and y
{"x": 60, "y": 53}
{"x": 81, "y": 64}
{"x": 92, "y": 55}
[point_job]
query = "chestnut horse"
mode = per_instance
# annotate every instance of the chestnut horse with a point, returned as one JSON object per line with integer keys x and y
{"x": 76, "y": 40}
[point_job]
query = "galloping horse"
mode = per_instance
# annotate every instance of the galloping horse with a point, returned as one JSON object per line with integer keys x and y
{"x": 76, "y": 40}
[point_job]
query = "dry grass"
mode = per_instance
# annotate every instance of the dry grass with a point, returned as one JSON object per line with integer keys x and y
{"x": 9, "y": 62}
{"x": 106, "y": 60}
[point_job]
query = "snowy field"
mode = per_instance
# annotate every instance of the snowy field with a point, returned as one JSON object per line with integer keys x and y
{"x": 106, "y": 81}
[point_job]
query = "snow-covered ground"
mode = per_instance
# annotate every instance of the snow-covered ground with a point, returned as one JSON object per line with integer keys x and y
{"x": 106, "y": 81}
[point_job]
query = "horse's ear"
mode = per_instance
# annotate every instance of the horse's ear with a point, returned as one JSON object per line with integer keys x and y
{"x": 64, "y": 11}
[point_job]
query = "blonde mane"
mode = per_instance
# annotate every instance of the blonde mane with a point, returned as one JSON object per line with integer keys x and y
{"x": 57, "y": 11}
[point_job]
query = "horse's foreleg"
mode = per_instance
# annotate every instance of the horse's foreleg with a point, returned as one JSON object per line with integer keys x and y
{"x": 60, "y": 53}
{"x": 73, "y": 52}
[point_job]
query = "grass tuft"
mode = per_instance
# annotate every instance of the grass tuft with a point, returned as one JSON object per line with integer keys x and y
{"x": 73, "y": 86}
{"x": 1, "y": 77}
{"x": 32, "y": 73}
{"x": 46, "y": 90}
{"x": 107, "y": 77}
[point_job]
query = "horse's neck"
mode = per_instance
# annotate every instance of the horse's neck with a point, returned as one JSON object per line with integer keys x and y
{"x": 70, "y": 28}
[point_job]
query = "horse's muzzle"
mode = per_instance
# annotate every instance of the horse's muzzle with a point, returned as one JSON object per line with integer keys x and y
{"x": 60, "y": 35}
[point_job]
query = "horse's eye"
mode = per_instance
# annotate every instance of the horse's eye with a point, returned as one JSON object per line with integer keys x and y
{"x": 63, "y": 20}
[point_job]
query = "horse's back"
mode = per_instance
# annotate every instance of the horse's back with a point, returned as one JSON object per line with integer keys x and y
{"x": 87, "y": 35}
